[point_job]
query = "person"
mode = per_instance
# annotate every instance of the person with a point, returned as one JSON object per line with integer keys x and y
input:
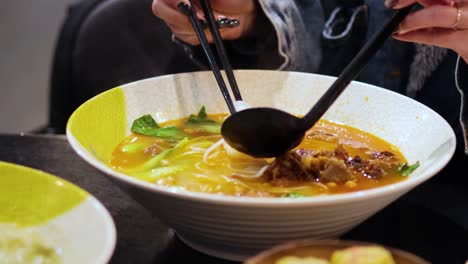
{"x": 426, "y": 58}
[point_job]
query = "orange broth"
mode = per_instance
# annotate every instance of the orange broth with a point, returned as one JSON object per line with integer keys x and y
{"x": 185, "y": 167}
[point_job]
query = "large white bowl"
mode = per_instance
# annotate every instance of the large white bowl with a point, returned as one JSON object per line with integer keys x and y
{"x": 65, "y": 216}
{"x": 236, "y": 228}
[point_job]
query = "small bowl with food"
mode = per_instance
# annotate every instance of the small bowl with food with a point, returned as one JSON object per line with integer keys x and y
{"x": 159, "y": 139}
{"x": 45, "y": 219}
{"x": 334, "y": 252}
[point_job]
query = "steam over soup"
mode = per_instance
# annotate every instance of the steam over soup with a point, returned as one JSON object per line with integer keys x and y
{"x": 189, "y": 153}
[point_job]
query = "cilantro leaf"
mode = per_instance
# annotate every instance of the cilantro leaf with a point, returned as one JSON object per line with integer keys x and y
{"x": 406, "y": 169}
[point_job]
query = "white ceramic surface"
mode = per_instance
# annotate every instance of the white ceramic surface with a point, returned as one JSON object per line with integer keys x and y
{"x": 84, "y": 233}
{"x": 236, "y": 228}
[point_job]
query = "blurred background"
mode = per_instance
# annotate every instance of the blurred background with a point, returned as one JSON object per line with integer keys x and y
{"x": 28, "y": 31}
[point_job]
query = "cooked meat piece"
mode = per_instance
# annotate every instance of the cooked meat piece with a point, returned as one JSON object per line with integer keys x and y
{"x": 305, "y": 152}
{"x": 357, "y": 163}
{"x": 383, "y": 165}
{"x": 327, "y": 166}
{"x": 287, "y": 170}
{"x": 374, "y": 169}
{"x": 154, "y": 149}
{"x": 383, "y": 155}
{"x": 336, "y": 171}
{"x": 341, "y": 153}
{"x": 313, "y": 161}
{"x": 306, "y": 165}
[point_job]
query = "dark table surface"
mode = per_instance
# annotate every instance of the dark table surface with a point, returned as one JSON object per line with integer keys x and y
{"x": 430, "y": 221}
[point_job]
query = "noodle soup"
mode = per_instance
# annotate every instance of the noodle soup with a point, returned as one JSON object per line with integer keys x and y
{"x": 189, "y": 153}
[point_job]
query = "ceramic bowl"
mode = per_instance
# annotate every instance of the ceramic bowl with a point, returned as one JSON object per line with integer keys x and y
{"x": 61, "y": 214}
{"x": 324, "y": 249}
{"x": 238, "y": 227}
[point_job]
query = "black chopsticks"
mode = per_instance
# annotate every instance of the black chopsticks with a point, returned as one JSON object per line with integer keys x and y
{"x": 208, "y": 12}
{"x": 189, "y": 11}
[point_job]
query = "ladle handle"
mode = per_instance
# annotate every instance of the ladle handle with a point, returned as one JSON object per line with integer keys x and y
{"x": 354, "y": 68}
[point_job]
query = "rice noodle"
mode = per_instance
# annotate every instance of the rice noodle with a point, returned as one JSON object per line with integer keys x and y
{"x": 319, "y": 184}
{"x": 261, "y": 171}
{"x": 192, "y": 153}
{"x": 197, "y": 149}
{"x": 200, "y": 146}
{"x": 236, "y": 181}
{"x": 210, "y": 149}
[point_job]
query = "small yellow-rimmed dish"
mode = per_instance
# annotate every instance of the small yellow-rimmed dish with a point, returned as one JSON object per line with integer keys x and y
{"x": 324, "y": 249}
{"x": 43, "y": 217}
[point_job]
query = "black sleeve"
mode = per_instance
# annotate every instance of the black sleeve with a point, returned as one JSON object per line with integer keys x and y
{"x": 258, "y": 50}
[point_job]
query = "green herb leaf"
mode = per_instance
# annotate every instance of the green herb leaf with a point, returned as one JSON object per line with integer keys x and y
{"x": 201, "y": 118}
{"x": 208, "y": 128}
{"x": 201, "y": 123}
{"x": 143, "y": 123}
{"x": 146, "y": 125}
{"x": 293, "y": 195}
{"x": 167, "y": 132}
{"x": 409, "y": 169}
{"x": 154, "y": 161}
{"x": 402, "y": 167}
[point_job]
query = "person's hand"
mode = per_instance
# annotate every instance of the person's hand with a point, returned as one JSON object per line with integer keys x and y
{"x": 243, "y": 10}
{"x": 442, "y": 23}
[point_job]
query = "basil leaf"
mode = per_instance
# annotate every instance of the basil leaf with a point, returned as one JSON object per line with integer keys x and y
{"x": 200, "y": 118}
{"x": 146, "y": 125}
{"x": 409, "y": 169}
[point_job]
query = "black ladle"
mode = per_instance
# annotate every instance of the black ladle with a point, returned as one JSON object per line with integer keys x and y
{"x": 268, "y": 132}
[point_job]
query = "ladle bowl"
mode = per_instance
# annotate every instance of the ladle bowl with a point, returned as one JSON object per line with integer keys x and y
{"x": 264, "y": 131}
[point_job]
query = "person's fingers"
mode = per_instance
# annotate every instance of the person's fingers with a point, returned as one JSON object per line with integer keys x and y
{"x": 171, "y": 16}
{"x": 434, "y": 17}
{"x": 397, "y": 4}
{"x": 188, "y": 38}
{"x": 181, "y": 26}
{"x": 230, "y": 7}
{"x": 227, "y": 32}
{"x": 445, "y": 38}
{"x": 221, "y": 8}
{"x": 192, "y": 39}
